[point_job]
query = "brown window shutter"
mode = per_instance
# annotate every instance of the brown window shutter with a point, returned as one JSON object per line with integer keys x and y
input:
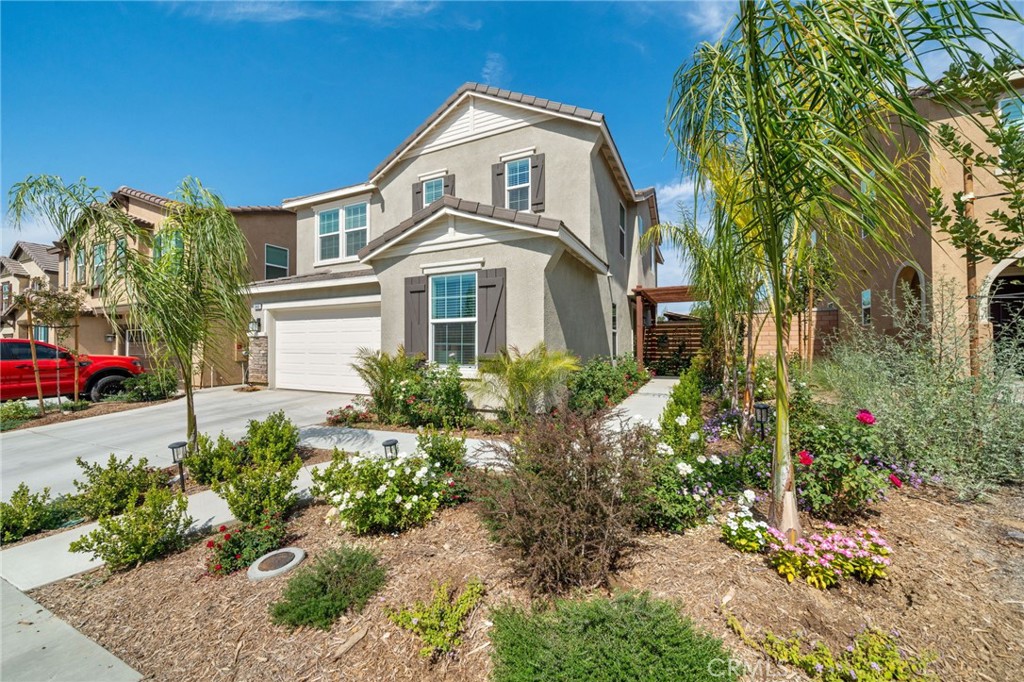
{"x": 537, "y": 183}
{"x": 490, "y": 302}
{"x": 449, "y": 185}
{"x": 498, "y": 185}
{"x": 417, "y": 316}
{"x": 417, "y": 196}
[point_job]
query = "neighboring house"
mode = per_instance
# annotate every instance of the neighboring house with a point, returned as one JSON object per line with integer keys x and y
{"x": 502, "y": 220}
{"x": 270, "y": 232}
{"x": 27, "y": 262}
{"x": 871, "y": 277}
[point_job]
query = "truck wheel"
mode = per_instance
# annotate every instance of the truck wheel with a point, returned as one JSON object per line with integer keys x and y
{"x": 105, "y": 387}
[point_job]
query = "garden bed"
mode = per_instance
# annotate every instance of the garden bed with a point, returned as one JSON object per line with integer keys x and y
{"x": 54, "y": 416}
{"x": 956, "y": 587}
{"x": 309, "y": 457}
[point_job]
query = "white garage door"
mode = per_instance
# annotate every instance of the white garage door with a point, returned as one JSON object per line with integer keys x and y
{"x": 314, "y": 348}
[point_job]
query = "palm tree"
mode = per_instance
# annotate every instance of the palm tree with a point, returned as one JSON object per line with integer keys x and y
{"x": 814, "y": 100}
{"x": 522, "y": 382}
{"x": 185, "y": 287}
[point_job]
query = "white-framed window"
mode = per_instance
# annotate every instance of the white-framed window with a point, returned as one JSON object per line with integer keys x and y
{"x": 453, "y": 318}
{"x": 7, "y": 295}
{"x": 99, "y": 262}
{"x": 341, "y": 232}
{"x": 517, "y": 184}
{"x": 41, "y": 333}
{"x": 275, "y": 261}
{"x": 865, "y": 307}
{"x": 80, "y": 266}
{"x": 622, "y": 230}
{"x": 432, "y": 190}
{"x": 166, "y": 243}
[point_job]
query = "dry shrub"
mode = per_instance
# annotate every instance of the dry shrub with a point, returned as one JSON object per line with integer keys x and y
{"x": 568, "y": 496}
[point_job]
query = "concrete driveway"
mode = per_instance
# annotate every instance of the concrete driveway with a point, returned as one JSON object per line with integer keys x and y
{"x": 45, "y": 456}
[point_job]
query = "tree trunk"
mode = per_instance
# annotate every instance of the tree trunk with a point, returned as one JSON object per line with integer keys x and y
{"x": 35, "y": 358}
{"x": 972, "y": 276}
{"x": 783, "y": 513}
{"x": 191, "y": 431}
{"x": 748, "y": 374}
{"x": 74, "y": 356}
{"x": 812, "y": 318}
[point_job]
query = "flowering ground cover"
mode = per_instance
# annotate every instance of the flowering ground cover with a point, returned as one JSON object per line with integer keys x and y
{"x": 955, "y": 587}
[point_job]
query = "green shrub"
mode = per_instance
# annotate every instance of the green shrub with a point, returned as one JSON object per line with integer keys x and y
{"x": 433, "y": 396}
{"x": 601, "y": 384}
{"x": 874, "y": 656}
{"x": 156, "y": 527}
{"x": 110, "y": 490}
{"x": 14, "y": 413}
{"x": 340, "y": 580}
{"x": 525, "y": 383}
{"x": 629, "y": 637}
{"x": 233, "y": 549}
{"x": 212, "y": 461}
{"x": 932, "y": 416}
{"x": 29, "y": 513}
{"x": 567, "y": 495}
{"x": 448, "y": 452}
{"x": 159, "y": 384}
{"x": 75, "y": 405}
{"x": 383, "y": 374}
{"x": 680, "y": 496}
{"x": 440, "y": 622}
{"x": 348, "y": 416}
{"x": 681, "y": 421}
{"x": 266, "y": 487}
{"x": 380, "y": 495}
{"x": 275, "y": 438}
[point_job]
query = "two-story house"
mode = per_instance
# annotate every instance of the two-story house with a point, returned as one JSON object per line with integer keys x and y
{"x": 269, "y": 231}
{"x": 502, "y": 220}
{"x": 27, "y": 263}
{"x": 871, "y": 276}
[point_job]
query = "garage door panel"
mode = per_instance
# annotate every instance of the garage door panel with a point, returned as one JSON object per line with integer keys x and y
{"x": 315, "y": 349}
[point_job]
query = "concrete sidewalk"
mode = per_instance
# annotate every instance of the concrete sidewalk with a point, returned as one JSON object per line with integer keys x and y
{"x": 650, "y": 400}
{"x": 39, "y": 646}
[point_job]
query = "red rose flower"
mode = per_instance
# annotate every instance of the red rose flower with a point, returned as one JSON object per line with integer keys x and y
{"x": 266, "y": 527}
{"x": 217, "y": 567}
{"x": 865, "y": 417}
{"x": 895, "y": 480}
{"x": 227, "y": 536}
{"x": 210, "y": 544}
{"x": 223, "y": 528}
{"x": 805, "y": 458}
{"x": 238, "y": 556}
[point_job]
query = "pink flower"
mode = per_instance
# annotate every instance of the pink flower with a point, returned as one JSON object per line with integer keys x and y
{"x": 865, "y": 417}
{"x": 895, "y": 480}
{"x": 805, "y": 458}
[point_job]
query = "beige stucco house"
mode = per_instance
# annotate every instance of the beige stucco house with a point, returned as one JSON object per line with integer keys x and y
{"x": 270, "y": 233}
{"x": 502, "y": 220}
{"x": 28, "y": 263}
{"x": 870, "y": 276}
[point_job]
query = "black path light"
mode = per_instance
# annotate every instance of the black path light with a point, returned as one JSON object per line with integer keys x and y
{"x": 391, "y": 447}
{"x": 761, "y": 413}
{"x": 178, "y": 449}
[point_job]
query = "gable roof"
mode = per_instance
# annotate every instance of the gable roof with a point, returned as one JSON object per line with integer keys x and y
{"x": 455, "y": 205}
{"x": 40, "y": 253}
{"x": 12, "y": 266}
{"x": 158, "y": 200}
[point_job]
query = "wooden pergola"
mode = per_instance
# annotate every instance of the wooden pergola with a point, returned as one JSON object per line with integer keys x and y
{"x": 648, "y": 298}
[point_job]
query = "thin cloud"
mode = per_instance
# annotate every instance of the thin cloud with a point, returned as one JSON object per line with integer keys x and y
{"x": 670, "y": 196}
{"x": 258, "y": 12}
{"x": 33, "y": 229}
{"x": 495, "y": 71}
{"x": 710, "y": 18}
{"x": 393, "y": 11}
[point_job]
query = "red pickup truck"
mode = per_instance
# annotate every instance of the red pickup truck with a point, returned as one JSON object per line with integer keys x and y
{"x": 98, "y": 375}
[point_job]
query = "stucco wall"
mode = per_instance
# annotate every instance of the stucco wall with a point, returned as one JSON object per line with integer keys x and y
{"x": 262, "y": 228}
{"x": 577, "y": 308}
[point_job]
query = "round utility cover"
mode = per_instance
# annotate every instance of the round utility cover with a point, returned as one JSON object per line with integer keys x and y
{"x": 275, "y": 563}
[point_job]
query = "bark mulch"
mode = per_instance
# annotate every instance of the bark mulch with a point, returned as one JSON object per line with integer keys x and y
{"x": 55, "y": 416}
{"x": 956, "y": 588}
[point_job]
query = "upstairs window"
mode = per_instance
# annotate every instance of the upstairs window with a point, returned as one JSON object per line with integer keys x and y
{"x": 432, "y": 190}
{"x": 517, "y": 185}
{"x": 275, "y": 262}
{"x": 865, "y": 307}
{"x": 40, "y": 333}
{"x": 330, "y": 235}
{"x": 355, "y": 229}
{"x": 453, "y": 318}
{"x": 7, "y": 297}
{"x": 350, "y": 222}
{"x": 1011, "y": 110}
{"x": 80, "y": 266}
{"x": 99, "y": 261}
{"x": 622, "y": 230}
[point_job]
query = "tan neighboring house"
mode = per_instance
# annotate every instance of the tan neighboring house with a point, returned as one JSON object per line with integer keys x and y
{"x": 270, "y": 232}
{"x": 869, "y": 276}
{"x": 27, "y": 262}
{"x": 504, "y": 219}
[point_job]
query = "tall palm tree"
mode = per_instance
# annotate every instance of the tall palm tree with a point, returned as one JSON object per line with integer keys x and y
{"x": 185, "y": 287}
{"x": 814, "y": 99}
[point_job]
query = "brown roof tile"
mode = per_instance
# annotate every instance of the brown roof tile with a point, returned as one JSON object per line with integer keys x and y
{"x": 12, "y": 266}
{"x": 163, "y": 201}
{"x": 316, "y": 277}
{"x": 40, "y": 253}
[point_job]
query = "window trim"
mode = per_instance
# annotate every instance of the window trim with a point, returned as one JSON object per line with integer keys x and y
{"x": 7, "y": 293}
{"x": 615, "y": 329}
{"x": 287, "y": 261}
{"x": 342, "y": 230}
{"x": 623, "y": 219}
{"x": 99, "y": 264}
{"x": 440, "y": 183}
{"x": 528, "y": 185}
{"x": 81, "y": 272}
{"x": 865, "y": 320}
{"x": 432, "y": 321}
{"x": 46, "y": 333}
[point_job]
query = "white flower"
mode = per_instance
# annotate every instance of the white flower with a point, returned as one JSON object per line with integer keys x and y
{"x": 398, "y": 498}
{"x": 821, "y": 426}
{"x": 683, "y": 419}
{"x": 664, "y": 449}
{"x": 415, "y": 498}
{"x": 701, "y": 459}
{"x": 696, "y": 498}
{"x": 391, "y": 473}
{"x": 715, "y": 460}
{"x": 694, "y": 437}
{"x": 382, "y": 488}
{"x": 435, "y": 495}
{"x": 408, "y": 505}
{"x": 360, "y": 494}
{"x": 747, "y": 498}
{"x": 407, "y": 470}
{"x": 684, "y": 469}
{"x": 346, "y": 495}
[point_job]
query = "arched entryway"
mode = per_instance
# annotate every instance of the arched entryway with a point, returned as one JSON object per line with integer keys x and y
{"x": 908, "y": 287}
{"x": 1003, "y": 298}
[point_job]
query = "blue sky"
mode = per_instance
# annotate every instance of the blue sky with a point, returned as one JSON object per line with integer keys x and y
{"x": 263, "y": 101}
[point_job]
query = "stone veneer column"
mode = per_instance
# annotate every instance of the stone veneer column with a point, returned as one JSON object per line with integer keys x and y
{"x": 258, "y": 360}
